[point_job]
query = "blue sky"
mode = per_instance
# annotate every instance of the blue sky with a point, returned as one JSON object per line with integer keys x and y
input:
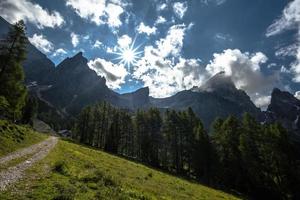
{"x": 180, "y": 43}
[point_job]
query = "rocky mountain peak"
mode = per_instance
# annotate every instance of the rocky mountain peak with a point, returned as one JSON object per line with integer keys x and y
{"x": 78, "y": 62}
{"x": 139, "y": 98}
{"x": 285, "y": 108}
{"x": 219, "y": 81}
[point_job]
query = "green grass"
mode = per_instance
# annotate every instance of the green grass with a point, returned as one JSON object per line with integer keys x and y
{"x": 14, "y": 162}
{"x": 13, "y": 137}
{"x": 72, "y": 171}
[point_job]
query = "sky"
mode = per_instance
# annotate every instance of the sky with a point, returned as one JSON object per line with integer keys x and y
{"x": 170, "y": 46}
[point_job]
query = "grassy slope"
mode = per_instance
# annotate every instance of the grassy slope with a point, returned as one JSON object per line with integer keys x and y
{"x": 13, "y": 137}
{"x": 72, "y": 171}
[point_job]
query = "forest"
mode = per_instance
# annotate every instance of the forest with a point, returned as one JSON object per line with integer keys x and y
{"x": 236, "y": 155}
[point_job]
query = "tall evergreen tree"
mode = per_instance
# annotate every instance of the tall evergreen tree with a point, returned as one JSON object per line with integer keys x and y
{"x": 12, "y": 54}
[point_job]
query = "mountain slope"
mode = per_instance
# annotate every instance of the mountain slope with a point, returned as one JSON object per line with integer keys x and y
{"x": 75, "y": 85}
{"x": 218, "y": 97}
{"x": 13, "y": 137}
{"x": 73, "y": 171}
{"x": 37, "y": 66}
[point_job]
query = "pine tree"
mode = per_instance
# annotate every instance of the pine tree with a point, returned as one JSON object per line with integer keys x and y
{"x": 226, "y": 141}
{"x": 201, "y": 153}
{"x": 12, "y": 54}
{"x": 154, "y": 134}
{"x": 29, "y": 111}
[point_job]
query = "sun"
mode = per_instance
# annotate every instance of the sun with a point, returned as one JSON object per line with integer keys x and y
{"x": 128, "y": 55}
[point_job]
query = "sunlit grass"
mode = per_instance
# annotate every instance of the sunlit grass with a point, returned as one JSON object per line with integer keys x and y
{"x": 72, "y": 171}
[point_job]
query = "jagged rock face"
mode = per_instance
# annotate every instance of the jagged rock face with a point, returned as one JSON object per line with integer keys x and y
{"x": 75, "y": 85}
{"x": 218, "y": 97}
{"x": 285, "y": 108}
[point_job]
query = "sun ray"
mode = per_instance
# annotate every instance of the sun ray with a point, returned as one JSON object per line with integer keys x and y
{"x": 129, "y": 55}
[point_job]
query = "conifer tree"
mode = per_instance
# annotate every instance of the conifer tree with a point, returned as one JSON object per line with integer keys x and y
{"x": 12, "y": 54}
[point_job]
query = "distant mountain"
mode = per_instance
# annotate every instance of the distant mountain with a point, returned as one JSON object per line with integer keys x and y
{"x": 72, "y": 85}
{"x": 285, "y": 108}
{"x": 137, "y": 99}
{"x": 218, "y": 97}
{"x": 37, "y": 66}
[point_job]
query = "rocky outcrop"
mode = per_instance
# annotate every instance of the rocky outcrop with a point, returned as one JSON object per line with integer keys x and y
{"x": 285, "y": 108}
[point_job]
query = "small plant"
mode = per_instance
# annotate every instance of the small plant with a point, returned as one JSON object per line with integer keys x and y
{"x": 94, "y": 177}
{"x": 61, "y": 167}
{"x": 65, "y": 192}
{"x": 109, "y": 181}
{"x": 150, "y": 174}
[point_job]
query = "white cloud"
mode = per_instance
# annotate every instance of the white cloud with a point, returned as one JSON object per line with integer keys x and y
{"x": 289, "y": 50}
{"x": 216, "y": 2}
{"x": 262, "y": 101}
{"x": 110, "y": 50}
{"x": 165, "y": 78}
{"x": 113, "y": 73}
{"x": 161, "y": 7}
{"x": 297, "y": 95}
{"x": 41, "y": 42}
{"x": 74, "y": 39}
{"x": 87, "y": 37}
{"x": 142, "y": 28}
{"x": 88, "y": 9}
{"x": 15, "y": 10}
{"x": 158, "y": 70}
{"x": 271, "y": 65}
{"x": 180, "y": 9}
{"x": 99, "y": 11}
{"x": 245, "y": 72}
{"x": 173, "y": 42}
{"x": 97, "y": 44}
{"x": 124, "y": 41}
{"x": 59, "y": 52}
{"x": 113, "y": 14}
{"x": 290, "y": 19}
{"x": 220, "y": 2}
{"x": 223, "y": 37}
{"x": 283, "y": 69}
{"x": 160, "y": 20}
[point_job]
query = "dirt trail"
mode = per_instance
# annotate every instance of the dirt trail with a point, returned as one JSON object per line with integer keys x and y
{"x": 14, "y": 173}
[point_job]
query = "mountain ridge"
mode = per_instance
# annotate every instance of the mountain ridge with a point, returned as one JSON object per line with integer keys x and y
{"x": 72, "y": 85}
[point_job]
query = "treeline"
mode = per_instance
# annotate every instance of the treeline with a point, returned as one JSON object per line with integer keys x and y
{"x": 245, "y": 156}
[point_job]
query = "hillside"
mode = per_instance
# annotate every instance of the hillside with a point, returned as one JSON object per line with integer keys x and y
{"x": 13, "y": 137}
{"x": 72, "y": 171}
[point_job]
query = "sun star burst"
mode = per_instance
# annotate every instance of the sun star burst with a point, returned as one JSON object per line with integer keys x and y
{"x": 128, "y": 55}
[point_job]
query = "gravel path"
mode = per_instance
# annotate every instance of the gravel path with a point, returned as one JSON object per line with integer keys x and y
{"x": 14, "y": 173}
